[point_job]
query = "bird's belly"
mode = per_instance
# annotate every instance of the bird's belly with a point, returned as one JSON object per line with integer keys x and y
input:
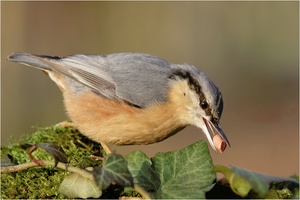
{"x": 115, "y": 122}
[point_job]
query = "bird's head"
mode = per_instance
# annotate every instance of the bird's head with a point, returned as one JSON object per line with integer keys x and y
{"x": 201, "y": 104}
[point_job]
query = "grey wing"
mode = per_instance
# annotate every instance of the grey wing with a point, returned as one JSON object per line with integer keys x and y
{"x": 139, "y": 79}
{"x": 79, "y": 70}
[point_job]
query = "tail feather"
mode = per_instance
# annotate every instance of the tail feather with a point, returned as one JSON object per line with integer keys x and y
{"x": 32, "y": 60}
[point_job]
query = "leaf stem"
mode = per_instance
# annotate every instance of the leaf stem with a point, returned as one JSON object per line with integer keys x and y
{"x": 142, "y": 192}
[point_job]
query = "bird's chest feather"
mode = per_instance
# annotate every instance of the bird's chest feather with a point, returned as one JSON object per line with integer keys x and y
{"x": 116, "y": 122}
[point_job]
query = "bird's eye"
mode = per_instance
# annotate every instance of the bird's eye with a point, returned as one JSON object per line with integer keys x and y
{"x": 204, "y": 104}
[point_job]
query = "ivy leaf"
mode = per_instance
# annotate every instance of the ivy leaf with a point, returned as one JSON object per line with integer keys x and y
{"x": 242, "y": 181}
{"x": 55, "y": 150}
{"x": 25, "y": 145}
{"x": 141, "y": 169}
{"x": 261, "y": 182}
{"x": 76, "y": 186}
{"x": 114, "y": 169}
{"x": 185, "y": 173}
{"x": 52, "y": 148}
{"x": 238, "y": 184}
{"x": 6, "y": 161}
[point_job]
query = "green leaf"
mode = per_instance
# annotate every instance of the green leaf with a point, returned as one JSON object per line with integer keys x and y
{"x": 242, "y": 181}
{"x": 76, "y": 186}
{"x": 52, "y": 148}
{"x": 55, "y": 150}
{"x": 261, "y": 182}
{"x": 141, "y": 169}
{"x": 25, "y": 145}
{"x": 5, "y": 161}
{"x": 114, "y": 169}
{"x": 239, "y": 185}
{"x": 185, "y": 173}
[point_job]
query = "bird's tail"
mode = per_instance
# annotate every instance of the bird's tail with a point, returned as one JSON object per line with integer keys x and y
{"x": 36, "y": 61}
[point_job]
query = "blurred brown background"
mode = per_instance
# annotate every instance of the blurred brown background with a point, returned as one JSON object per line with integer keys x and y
{"x": 249, "y": 49}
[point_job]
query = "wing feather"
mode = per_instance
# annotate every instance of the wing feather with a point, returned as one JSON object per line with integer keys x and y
{"x": 139, "y": 79}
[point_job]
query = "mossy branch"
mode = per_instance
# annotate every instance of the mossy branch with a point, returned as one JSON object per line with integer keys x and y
{"x": 84, "y": 173}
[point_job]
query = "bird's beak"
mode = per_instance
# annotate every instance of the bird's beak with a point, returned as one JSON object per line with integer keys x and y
{"x": 215, "y": 135}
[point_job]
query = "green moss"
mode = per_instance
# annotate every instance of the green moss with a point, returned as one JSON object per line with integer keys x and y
{"x": 43, "y": 182}
{"x": 32, "y": 184}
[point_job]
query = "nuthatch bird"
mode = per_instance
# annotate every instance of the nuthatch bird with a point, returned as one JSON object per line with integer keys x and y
{"x": 133, "y": 98}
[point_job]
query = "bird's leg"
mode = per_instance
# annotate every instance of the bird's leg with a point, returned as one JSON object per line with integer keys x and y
{"x": 106, "y": 148}
{"x": 72, "y": 124}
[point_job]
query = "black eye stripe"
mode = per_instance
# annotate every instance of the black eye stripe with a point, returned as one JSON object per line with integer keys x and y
{"x": 194, "y": 85}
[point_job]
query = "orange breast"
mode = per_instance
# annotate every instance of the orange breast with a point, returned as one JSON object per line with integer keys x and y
{"x": 118, "y": 123}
